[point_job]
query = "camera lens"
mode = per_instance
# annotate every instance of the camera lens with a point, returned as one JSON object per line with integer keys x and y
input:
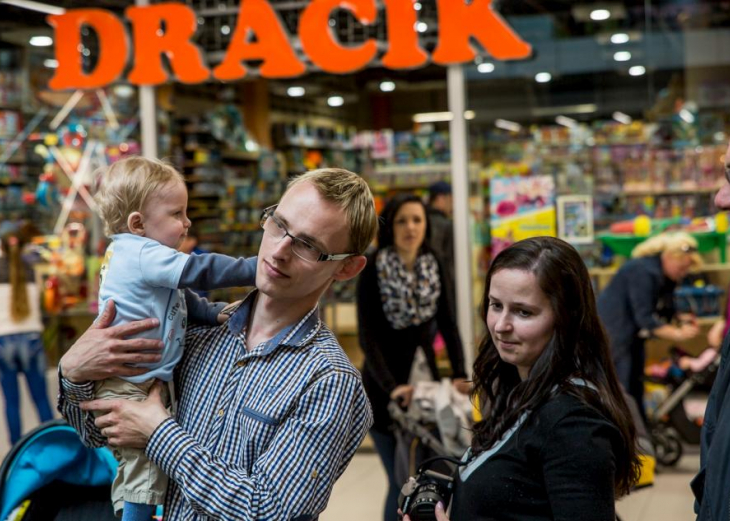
{"x": 423, "y": 507}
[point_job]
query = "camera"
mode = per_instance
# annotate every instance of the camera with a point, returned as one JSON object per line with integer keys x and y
{"x": 419, "y": 495}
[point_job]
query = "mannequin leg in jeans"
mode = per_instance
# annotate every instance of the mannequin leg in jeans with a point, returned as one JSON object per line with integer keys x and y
{"x": 9, "y": 379}
{"x": 385, "y": 445}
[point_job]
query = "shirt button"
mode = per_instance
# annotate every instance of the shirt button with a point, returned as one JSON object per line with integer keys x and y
{"x": 240, "y": 363}
{"x": 221, "y": 412}
{"x": 315, "y": 474}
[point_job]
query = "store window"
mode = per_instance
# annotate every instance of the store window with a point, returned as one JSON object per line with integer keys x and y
{"x": 612, "y": 131}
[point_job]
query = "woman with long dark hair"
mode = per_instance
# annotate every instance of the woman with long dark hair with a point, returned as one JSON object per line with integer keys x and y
{"x": 401, "y": 299}
{"x": 557, "y": 441}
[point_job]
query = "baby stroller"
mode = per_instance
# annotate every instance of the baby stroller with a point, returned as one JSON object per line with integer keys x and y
{"x": 50, "y": 475}
{"x": 436, "y": 423}
{"x": 669, "y": 422}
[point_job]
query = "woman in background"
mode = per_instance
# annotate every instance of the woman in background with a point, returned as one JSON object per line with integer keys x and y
{"x": 400, "y": 295}
{"x": 21, "y": 347}
{"x": 638, "y": 304}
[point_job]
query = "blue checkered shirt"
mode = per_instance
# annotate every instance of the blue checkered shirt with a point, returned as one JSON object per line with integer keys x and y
{"x": 258, "y": 435}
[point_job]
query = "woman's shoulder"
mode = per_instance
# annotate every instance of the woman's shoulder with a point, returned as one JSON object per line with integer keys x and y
{"x": 563, "y": 406}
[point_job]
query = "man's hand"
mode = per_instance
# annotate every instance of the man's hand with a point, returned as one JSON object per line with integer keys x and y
{"x": 439, "y": 511}
{"x": 127, "y": 423}
{"x": 103, "y": 351}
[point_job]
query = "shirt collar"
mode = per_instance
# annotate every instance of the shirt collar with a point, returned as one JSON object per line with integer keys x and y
{"x": 294, "y": 335}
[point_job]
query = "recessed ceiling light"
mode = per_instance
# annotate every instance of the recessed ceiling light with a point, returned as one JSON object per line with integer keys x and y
{"x": 387, "y": 86}
{"x": 620, "y": 38}
{"x": 543, "y": 77}
{"x": 41, "y": 41}
{"x": 295, "y": 91}
{"x": 637, "y": 70}
{"x": 417, "y": 6}
{"x": 335, "y": 101}
{"x": 622, "y": 56}
{"x": 622, "y": 118}
{"x": 421, "y": 27}
{"x": 469, "y": 114}
{"x": 35, "y": 6}
{"x": 599, "y": 15}
{"x": 505, "y": 124}
{"x": 51, "y": 64}
{"x": 485, "y": 67}
{"x": 566, "y": 121}
{"x": 225, "y": 29}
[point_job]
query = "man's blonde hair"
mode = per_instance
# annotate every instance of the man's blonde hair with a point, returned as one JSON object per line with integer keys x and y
{"x": 127, "y": 186}
{"x": 350, "y": 192}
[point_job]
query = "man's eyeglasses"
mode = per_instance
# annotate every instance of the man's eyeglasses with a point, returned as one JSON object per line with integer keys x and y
{"x": 687, "y": 248}
{"x": 299, "y": 247}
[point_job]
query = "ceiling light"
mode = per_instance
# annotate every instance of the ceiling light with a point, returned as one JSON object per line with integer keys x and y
{"x": 622, "y": 56}
{"x": 637, "y": 70}
{"x": 417, "y": 6}
{"x": 41, "y": 41}
{"x": 485, "y": 67}
{"x": 435, "y": 117}
{"x": 508, "y": 125}
{"x": 387, "y": 86}
{"x": 35, "y": 6}
{"x": 225, "y": 29}
{"x": 421, "y": 27}
{"x": 50, "y": 64}
{"x": 622, "y": 118}
{"x": 599, "y": 15}
{"x": 543, "y": 77}
{"x": 295, "y": 92}
{"x": 687, "y": 116}
{"x": 620, "y": 38}
{"x": 566, "y": 121}
{"x": 335, "y": 101}
{"x": 124, "y": 91}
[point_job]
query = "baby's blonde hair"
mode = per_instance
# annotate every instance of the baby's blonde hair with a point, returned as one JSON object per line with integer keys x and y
{"x": 127, "y": 186}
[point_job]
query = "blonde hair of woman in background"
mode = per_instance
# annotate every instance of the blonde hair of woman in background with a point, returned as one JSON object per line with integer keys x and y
{"x": 676, "y": 244}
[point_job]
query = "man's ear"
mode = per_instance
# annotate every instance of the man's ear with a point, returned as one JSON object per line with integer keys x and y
{"x": 135, "y": 223}
{"x": 351, "y": 267}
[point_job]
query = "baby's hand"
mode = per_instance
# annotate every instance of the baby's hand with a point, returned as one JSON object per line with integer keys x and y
{"x": 227, "y": 311}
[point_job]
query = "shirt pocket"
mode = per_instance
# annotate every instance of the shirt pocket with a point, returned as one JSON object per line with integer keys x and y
{"x": 258, "y": 430}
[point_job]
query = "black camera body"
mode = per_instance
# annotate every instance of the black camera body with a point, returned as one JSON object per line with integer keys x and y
{"x": 419, "y": 495}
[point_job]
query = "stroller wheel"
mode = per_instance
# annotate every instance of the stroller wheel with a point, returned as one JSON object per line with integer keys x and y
{"x": 668, "y": 446}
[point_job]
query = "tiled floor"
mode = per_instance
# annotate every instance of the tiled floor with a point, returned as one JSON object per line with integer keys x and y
{"x": 358, "y": 495}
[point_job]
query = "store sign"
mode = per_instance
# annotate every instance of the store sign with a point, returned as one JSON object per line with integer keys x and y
{"x": 167, "y": 29}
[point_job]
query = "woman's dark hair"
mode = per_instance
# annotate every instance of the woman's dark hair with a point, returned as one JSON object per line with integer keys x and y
{"x": 578, "y": 349}
{"x": 387, "y": 219}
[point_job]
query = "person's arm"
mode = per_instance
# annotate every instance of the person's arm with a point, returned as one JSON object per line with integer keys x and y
{"x": 446, "y": 321}
{"x": 293, "y": 478}
{"x": 214, "y": 271}
{"x": 372, "y": 326}
{"x": 201, "y": 310}
{"x": 101, "y": 352}
{"x": 579, "y": 482}
{"x": 643, "y": 295}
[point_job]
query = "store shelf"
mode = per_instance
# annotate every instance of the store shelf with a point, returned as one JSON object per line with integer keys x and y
{"x": 670, "y": 191}
{"x": 441, "y": 168}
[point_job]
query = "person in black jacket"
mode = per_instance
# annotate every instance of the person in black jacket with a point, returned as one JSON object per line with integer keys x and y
{"x": 400, "y": 294}
{"x": 557, "y": 441}
{"x": 712, "y": 483}
{"x": 638, "y": 304}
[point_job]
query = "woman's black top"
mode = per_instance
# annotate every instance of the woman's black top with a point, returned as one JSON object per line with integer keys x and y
{"x": 389, "y": 352}
{"x": 558, "y": 465}
{"x": 639, "y": 299}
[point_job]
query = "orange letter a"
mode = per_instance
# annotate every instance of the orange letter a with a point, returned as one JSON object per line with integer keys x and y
{"x": 113, "y": 49}
{"x": 279, "y": 60}
{"x": 458, "y": 22}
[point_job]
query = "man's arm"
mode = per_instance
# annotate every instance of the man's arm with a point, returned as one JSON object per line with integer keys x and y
{"x": 293, "y": 478}
{"x": 101, "y": 352}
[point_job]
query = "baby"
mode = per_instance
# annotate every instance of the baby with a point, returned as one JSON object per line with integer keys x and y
{"x": 143, "y": 205}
